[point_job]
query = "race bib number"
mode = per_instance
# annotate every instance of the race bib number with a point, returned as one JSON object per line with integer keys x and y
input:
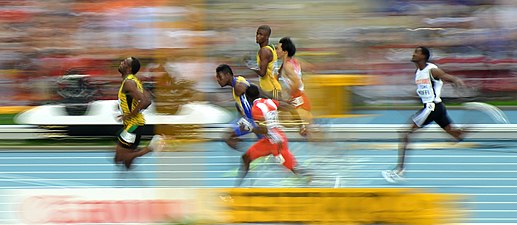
{"x": 297, "y": 101}
{"x": 128, "y": 137}
{"x": 271, "y": 116}
{"x": 425, "y": 93}
{"x": 430, "y": 106}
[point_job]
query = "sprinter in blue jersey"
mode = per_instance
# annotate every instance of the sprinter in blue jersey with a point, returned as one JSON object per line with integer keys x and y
{"x": 239, "y": 84}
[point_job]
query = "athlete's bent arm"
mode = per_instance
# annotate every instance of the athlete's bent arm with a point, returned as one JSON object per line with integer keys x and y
{"x": 240, "y": 89}
{"x": 265, "y": 57}
{"x": 143, "y": 101}
{"x": 292, "y": 76}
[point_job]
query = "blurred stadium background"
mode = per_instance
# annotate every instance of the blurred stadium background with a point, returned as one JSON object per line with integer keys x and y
{"x": 66, "y": 51}
{"x": 42, "y": 40}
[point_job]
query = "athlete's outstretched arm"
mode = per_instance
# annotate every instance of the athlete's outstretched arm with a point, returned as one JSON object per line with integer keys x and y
{"x": 306, "y": 66}
{"x": 440, "y": 74}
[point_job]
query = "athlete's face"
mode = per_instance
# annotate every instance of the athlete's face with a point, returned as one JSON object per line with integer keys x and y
{"x": 417, "y": 55}
{"x": 280, "y": 51}
{"x": 222, "y": 78}
{"x": 261, "y": 36}
{"x": 124, "y": 66}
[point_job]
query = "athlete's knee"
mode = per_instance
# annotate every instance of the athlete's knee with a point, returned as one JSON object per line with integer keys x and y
{"x": 404, "y": 136}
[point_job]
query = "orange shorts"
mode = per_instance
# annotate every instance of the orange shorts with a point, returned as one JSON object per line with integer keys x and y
{"x": 305, "y": 103}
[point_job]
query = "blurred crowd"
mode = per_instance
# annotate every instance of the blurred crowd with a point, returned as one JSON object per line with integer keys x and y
{"x": 40, "y": 41}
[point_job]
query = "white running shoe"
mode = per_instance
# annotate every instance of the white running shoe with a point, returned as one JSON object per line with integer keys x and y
{"x": 392, "y": 176}
{"x": 157, "y": 143}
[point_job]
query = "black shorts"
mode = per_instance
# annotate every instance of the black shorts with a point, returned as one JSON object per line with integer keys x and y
{"x": 426, "y": 115}
{"x": 129, "y": 136}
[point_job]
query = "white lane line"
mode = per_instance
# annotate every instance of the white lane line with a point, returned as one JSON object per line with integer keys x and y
{"x": 60, "y": 180}
{"x": 308, "y": 155}
{"x": 492, "y": 210}
{"x": 437, "y": 186}
{"x": 442, "y": 171}
{"x": 35, "y": 181}
{"x": 238, "y": 156}
{"x": 237, "y": 163}
{"x": 491, "y": 194}
{"x": 108, "y": 157}
{"x": 509, "y": 203}
{"x": 110, "y": 172}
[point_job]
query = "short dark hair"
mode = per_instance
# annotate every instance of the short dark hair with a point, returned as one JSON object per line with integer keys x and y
{"x": 288, "y": 45}
{"x": 135, "y": 65}
{"x": 265, "y": 28}
{"x": 224, "y": 68}
{"x": 252, "y": 92}
{"x": 426, "y": 52}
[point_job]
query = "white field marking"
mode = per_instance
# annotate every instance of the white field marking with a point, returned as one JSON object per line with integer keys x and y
{"x": 338, "y": 182}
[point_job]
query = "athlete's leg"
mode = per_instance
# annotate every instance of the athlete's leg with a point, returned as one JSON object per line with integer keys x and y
{"x": 127, "y": 156}
{"x": 289, "y": 161}
{"x": 245, "y": 167}
{"x": 127, "y": 147}
{"x": 403, "y": 147}
{"x": 445, "y": 123}
{"x": 281, "y": 151}
{"x": 257, "y": 150}
{"x": 420, "y": 119}
{"x": 396, "y": 175}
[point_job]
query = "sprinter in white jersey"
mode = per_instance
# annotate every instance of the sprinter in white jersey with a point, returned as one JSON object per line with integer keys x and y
{"x": 429, "y": 80}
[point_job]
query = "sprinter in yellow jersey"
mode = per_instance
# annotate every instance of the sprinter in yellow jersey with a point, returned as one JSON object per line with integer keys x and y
{"x": 266, "y": 58}
{"x": 132, "y": 100}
